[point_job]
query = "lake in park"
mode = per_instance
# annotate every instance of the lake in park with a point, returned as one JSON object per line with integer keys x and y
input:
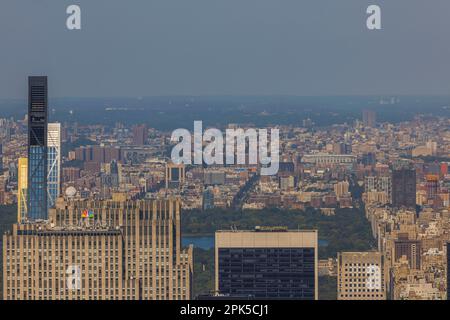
{"x": 207, "y": 242}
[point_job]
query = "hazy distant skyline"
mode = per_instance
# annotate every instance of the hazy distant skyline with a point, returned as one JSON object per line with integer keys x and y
{"x": 225, "y": 47}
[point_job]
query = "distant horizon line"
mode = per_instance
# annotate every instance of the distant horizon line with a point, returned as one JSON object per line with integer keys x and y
{"x": 239, "y": 96}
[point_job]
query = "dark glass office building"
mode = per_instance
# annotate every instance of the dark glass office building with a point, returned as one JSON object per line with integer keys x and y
{"x": 267, "y": 264}
{"x": 37, "y": 148}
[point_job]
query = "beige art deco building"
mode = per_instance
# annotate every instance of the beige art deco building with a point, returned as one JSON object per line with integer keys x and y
{"x": 42, "y": 262}
{"x": 361, "y": 276}
{"x": 151, "y": 265}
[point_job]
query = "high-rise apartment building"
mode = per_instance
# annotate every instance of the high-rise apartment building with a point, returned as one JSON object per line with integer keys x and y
{"x": 140, "y": 135}
{"x": 403, "y": 185}
{"x": 98, "y": 154}
{"x": 361, "y": 276}
{"x": 22, "y": 189}
{"x": 369, "y": 118}
{"x": 432, "y": 186}
{"x": 37, "y": 148}
{"x": 208, "y": 198}
{"x": 54, "y": 163}
{"x": 267, "y": 263}
{"x": 70, "y": 174}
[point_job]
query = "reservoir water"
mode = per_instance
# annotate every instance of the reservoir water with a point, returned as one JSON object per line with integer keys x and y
{"x": 207, "y": 242}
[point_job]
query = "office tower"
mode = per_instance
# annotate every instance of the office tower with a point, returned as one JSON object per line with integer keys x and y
{"x": 70, "y": 264}
{"x": 208, "y": 198}
{"x": 37, "y": 148}
{"x": 140, "y": 135}
{"x": 97, "y": 154}
{"x": 374, "y": 185}
{"x": 411, "y": 249}
{"x": 175, "y": 175}
{"x": 213, "y": 178}
{"x": 267, "y": 263}
{"x": 403, "y": 185}
{"x": 151, "y": 230}
{"x": 22, "y": 189}
{"x": 369, "y": 118}
{"x": 361, "y": 276}
{"x": 71, "y": 174}
{"x": 54, "y": 163}
{"x": 1, "y": 158}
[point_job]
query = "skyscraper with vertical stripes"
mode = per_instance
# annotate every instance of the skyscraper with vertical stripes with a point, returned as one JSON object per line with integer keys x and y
{"x": 22, "y": 189}
{"x": 54, "y": 163}
{"x": 37, "y": 148}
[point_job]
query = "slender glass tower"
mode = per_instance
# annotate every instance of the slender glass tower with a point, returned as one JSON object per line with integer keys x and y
{"x": 37, "y": 148}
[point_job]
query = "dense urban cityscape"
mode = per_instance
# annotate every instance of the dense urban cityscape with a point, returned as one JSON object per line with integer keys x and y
{"x": 358, "y": 210}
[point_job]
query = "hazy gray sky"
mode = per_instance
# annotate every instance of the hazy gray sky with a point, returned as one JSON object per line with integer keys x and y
{"x": 195, "y": 47}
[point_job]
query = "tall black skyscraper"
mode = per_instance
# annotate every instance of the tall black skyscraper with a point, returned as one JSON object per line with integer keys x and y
{"x": 404, "y": 185}
{"x": 37, "y": 148}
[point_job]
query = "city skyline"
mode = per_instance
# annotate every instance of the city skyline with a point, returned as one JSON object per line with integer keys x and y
{"x": 112, "y": 191}
{"x": 213, "y": 158}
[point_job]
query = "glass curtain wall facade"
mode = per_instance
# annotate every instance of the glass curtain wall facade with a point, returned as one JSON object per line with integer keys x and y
{"x": 37, "y": 148}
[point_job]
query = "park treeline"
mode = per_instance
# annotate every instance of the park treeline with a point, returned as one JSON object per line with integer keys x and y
{"x": 347, "y": 230}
